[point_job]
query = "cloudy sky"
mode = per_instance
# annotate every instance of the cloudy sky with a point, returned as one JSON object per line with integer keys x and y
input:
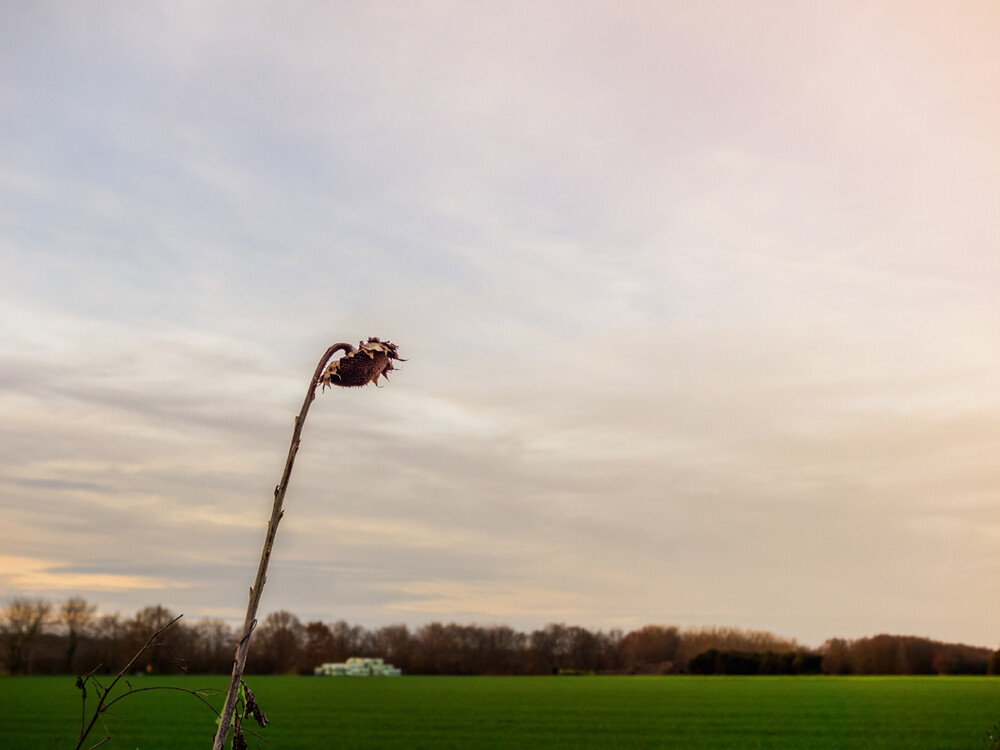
{"x": 700, "y": 302}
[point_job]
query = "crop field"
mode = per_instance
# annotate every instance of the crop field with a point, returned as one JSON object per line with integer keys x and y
{"x": 531, "y": 712}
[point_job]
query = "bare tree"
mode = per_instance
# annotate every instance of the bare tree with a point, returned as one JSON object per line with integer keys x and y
{"x": 212, "y": 646}
{"x": 395, "y": 644}
{"x": 319, "y": 646}
{"x": 144, "y": 623}
{"x": 22, "y": 622}
{"x": 549, "y": 648}
{"x": 347, "y": 640}
{"x": 698, "y": 640}
{"x": 281, "y": 638}
{"x": 76, "y": 616}
{"x": 653, "y": 648}
{"x": 111, "y": 633}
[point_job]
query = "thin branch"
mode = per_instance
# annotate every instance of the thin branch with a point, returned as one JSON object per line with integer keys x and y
{"x": 142, "y": 650}
{"x": 104, "y": 692}
{"x": 199, "y": 694}
{"x": 107, "y": 736}
{"x": 81, "y": 682}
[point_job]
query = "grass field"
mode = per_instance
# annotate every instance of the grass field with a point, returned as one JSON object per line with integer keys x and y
{"x": 532, "y": 712}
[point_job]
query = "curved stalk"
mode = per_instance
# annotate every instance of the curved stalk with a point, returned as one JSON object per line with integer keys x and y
{"x": 250, "y": 622}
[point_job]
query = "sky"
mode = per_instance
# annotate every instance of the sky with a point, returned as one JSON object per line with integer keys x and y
{"x": 699, "y": 303}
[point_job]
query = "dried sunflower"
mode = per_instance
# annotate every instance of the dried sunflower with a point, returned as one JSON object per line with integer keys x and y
{"x": 366, "y": 364}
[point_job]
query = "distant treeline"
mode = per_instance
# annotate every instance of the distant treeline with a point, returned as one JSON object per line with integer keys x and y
{"x": 37, "y": 637}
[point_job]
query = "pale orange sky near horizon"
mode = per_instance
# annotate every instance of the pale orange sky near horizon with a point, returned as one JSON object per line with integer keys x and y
{"x": 699, "y": 303}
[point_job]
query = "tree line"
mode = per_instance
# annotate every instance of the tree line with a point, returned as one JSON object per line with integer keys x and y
{"x": 39, "y": 637}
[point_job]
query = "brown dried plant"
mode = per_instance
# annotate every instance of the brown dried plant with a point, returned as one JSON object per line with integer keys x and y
{"x": 357, "y": 367}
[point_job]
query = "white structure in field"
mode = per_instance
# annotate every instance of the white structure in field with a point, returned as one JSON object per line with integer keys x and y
{"x": 358, "y": 666}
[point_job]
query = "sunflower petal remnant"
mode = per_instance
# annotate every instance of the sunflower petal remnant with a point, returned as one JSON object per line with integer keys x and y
{"x": 360, "y": 366}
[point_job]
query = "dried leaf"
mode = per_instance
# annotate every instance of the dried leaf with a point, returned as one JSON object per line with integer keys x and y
{"x": 253, "y": 708}
{"x": 239, "y": 741}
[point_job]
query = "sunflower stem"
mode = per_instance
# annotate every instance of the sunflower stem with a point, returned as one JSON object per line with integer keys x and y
{"x": 243, "y": 647}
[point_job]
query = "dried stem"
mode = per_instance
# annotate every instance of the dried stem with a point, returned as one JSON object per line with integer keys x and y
{"x": 272, "y": 527}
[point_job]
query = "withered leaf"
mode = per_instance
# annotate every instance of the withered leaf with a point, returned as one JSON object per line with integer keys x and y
{"x": 253, "y": 708}
{"x": 239, "y": 741}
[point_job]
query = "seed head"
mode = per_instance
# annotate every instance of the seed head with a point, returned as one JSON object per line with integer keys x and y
{"x": 366, "y": 364}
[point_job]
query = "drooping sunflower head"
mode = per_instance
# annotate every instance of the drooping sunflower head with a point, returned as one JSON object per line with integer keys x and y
{"x": 366, "y": 364}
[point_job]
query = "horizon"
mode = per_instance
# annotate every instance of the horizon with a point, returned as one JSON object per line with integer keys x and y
{"x": 413, "y": 627}
{"x": 698, "y": 303}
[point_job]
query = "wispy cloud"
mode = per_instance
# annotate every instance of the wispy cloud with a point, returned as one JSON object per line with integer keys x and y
{"x": 699, "y": 306}
{"x": 32, "y": 574}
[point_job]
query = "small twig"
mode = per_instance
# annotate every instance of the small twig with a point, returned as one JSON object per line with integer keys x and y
{"x": 107, "y": 736}
{"x": 199, "y": 694}
{"x": 81, "y": 682}
{"x": 104, "y": 704}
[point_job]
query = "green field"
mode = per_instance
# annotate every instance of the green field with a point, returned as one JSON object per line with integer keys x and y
{"x": 533, "y": 712}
